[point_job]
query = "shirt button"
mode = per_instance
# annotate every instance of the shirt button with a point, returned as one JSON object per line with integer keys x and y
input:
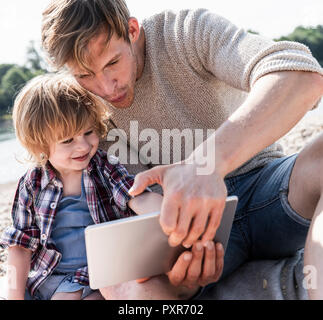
{"x": 44, "y": 273}
{"x": 113, "y": 160}
{"x": 53, "y": 205}
{"x": 43, "y": 236}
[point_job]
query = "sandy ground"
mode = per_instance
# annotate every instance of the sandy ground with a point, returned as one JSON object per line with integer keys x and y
{"x": 7, "y": 193}
{"x": 293, "y": 142}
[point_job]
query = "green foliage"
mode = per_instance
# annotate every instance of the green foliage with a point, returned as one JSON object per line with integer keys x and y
{"x": 3, "y": 69}
{"x": 11, "y": 83}
{"x": 13, "y": 80}
{"x": 252, "y": 31}
{"x": 14, "y": 77}
{"x": 311, "y": 37}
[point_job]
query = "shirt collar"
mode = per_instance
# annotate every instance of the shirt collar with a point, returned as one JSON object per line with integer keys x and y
{"x": 49, "y": 174}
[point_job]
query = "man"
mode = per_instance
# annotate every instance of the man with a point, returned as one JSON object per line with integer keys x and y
{"x": 196, "y": 70}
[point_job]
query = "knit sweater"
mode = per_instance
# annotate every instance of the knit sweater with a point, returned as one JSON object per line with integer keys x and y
{"x": 198, "y": 70}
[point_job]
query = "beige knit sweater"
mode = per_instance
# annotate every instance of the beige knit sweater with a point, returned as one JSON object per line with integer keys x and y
{"x": 198, "y": 70}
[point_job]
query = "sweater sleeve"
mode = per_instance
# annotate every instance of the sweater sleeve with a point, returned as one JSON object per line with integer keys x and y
{"x": 211, "y": 43}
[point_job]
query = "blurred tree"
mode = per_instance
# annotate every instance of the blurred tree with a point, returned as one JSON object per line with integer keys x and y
{"x": 311, "y": 37}
{"x": 34, "y": 60}
{"x": 252, "y": 31}
{"x": 14, "y": 77}
{"x": 11, "y": 82}
{"x": 3, "y": 69}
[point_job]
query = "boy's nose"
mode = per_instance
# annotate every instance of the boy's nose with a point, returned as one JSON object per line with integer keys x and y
{"x": 83, "y": 145}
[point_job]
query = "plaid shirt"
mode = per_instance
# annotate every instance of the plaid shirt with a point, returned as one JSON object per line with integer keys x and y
{"x": 39, "y": 191}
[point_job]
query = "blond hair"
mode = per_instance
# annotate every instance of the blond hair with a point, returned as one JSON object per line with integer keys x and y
{"x": 69, "y": 25}
{"x": 53, "y": 107}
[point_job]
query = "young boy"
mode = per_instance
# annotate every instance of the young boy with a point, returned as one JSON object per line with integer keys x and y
{"x": 71, "y": 185}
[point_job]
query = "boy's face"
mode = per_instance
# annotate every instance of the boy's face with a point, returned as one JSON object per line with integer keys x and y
{"x": 73, "y": 154}
{"x": 114, "y": 69}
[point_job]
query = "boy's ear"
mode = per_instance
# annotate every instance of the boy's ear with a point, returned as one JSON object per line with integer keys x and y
{"x": 133, "y": 29}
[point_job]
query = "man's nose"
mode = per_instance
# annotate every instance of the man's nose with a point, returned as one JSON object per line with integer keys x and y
{"x": 106, "y": 85}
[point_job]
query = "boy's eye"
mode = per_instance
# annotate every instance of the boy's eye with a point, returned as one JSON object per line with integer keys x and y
{"x": 88, "y": 132}
{"x": 67, "y": 141}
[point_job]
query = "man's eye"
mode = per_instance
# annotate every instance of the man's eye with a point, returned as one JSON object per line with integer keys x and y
{"x": 88, "y": 132}
{"x": 83, "y": 76}
{"x": 67, "y": 141}
{"x": 112, "y": 63}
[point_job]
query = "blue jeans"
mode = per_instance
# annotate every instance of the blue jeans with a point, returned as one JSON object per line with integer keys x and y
{"x": 58, "y": 283}
{"x": 265, "y": 226}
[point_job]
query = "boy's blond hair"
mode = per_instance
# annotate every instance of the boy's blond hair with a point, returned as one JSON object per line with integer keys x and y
{"x": 69, "y": 25}
{"x": 53, "y": 107}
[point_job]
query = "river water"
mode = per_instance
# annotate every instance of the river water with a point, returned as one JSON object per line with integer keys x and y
{"x": 12, "y": 154}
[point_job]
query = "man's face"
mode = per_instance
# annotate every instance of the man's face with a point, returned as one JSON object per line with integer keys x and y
{"x": 114, "y": 70}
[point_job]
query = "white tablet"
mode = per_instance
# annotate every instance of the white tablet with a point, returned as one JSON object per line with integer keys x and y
{"x": 136, "y": 247}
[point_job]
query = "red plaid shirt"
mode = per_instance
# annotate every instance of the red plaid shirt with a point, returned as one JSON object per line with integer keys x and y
{"x": 38, "y": 194}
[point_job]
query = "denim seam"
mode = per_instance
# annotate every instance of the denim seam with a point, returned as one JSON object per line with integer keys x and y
{"x": 263, "y": 204}
{"x": 251, "y": 172}
{"x": 230, "y": 184}
{"x": 283, "y": 188}
{"x": 283, "y": 195}
{"x": 246, "y": 241}
{"x": 291, "y": 212}
{"x": 285, "y": 183}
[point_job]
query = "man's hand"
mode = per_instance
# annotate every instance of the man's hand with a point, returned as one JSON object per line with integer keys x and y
{"x": 200, "y": 267}
{"x": 143, "y": 280}
{"x": 189, "y": 201}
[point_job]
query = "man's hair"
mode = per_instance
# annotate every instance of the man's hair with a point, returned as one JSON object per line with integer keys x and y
{"x": 69, "y": 25}
{"x": 53, "y": 107}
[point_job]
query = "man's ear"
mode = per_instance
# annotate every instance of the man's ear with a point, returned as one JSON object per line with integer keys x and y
{"x": 134, "y": 29}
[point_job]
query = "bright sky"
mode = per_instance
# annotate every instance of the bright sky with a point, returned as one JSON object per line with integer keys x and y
{"x": 20, "y": 20}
